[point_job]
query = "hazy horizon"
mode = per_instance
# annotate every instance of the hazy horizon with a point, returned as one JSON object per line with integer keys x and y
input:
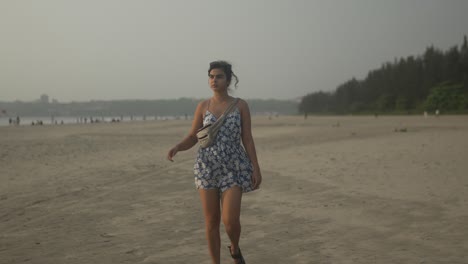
{"x": 130, "y": 50}
{"x": 38, "y": 99}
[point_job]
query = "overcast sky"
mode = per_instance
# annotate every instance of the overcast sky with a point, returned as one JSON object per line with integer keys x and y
{"x": 109, "y": 49}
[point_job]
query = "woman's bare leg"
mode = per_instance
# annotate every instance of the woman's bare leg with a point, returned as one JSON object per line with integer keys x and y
{"x": 211, "y": 210}
{"x": 231, "y": 203}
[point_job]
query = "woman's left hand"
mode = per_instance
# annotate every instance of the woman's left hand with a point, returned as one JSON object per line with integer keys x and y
{"x": 256, "y": 179}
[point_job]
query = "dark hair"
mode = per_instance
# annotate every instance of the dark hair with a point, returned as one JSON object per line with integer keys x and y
{"x": 227, "y": 68}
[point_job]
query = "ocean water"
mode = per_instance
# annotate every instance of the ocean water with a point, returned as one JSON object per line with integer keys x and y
{"x": 28, "y": 121}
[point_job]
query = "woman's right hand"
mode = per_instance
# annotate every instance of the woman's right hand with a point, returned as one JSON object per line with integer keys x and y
{"x": 172, "y": 152}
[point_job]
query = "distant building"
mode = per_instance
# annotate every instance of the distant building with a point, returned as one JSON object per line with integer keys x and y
{"x": 44, "y": 99}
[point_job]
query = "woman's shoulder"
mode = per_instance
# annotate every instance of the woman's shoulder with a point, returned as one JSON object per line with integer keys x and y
{"x": 203, "y": 103}
{"x": 202, "y": 106}
{"x": 241, "y": 103}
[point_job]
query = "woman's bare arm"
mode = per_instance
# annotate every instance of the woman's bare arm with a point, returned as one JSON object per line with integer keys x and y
{"x": 191, "y": 139}
{"x": 248, "y": 142}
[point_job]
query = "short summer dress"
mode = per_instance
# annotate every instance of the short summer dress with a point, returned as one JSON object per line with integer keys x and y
{"x": 225, "y": 163}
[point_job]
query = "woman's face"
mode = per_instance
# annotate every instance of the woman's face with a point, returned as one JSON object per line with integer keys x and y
{"x": 217, "y": 80}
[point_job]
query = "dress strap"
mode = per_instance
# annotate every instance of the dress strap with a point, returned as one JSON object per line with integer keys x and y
{"x": 208, "y": 107}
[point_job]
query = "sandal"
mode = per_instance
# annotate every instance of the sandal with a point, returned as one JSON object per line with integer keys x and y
{"x": 237, "y": 256}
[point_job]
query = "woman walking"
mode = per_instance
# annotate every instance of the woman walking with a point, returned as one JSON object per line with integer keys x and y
{"x": 225, "y": 169}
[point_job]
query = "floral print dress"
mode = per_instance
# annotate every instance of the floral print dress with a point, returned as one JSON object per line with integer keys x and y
{"x": 225, "y": 163}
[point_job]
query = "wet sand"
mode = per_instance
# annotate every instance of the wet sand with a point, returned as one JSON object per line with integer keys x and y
{"x": 336, "y": 190}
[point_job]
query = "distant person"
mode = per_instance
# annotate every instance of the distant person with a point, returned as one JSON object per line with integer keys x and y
{"x": 18, "y": 120}
{"x": 437, "y": 112}
{"x": 10, "y": 121}
{"x": 224, "y": 170}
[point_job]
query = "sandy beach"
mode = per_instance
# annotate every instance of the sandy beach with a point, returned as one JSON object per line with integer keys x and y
{"x": 341, "y": 189}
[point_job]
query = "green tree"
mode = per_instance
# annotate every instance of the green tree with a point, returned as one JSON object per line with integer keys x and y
{"x": 447, "y": 97}
{"x": 402, "y": 85}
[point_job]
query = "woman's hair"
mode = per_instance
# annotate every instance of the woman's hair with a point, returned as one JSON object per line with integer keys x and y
{"x": 227, "y": 68}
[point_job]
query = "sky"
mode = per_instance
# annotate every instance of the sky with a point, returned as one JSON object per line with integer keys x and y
{"x": 160, "y": 49}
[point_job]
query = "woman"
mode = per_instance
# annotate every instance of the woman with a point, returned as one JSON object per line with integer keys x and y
{"x": 224, "y": 170}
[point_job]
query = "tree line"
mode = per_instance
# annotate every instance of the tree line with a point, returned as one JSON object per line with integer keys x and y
{"x": 434, "y": 80}
{"x": 161, "y": 107}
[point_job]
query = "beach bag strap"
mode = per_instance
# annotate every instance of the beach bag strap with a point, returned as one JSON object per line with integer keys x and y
{"x": 229, "y": 109}
{"x": 223, "y": 116}
{"x": 207, "y": 134}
